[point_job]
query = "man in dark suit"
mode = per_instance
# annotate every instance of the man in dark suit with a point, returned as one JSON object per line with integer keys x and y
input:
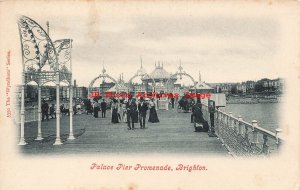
{"x": 131, "y": 109}
{"x": 103, "y": 108}
{"x": 212, "y": 110}
{"x": 142, "y": 107}
{"x": 52, "y": 112}
{"x": 45, "y": 108}
{"x": 173, "y": 101}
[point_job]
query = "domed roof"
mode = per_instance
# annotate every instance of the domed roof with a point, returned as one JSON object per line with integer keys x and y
{"x": 159, "y": 73}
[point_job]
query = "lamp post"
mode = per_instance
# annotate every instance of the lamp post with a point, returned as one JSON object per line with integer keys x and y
{"x": 57, "y": 140}
{"x": 22, "y": 138}
{"x": 71, "y": 135}
{"x": 39, "y": 136}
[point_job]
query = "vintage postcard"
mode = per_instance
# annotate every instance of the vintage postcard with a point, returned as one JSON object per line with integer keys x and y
{"x": 149, "y": 95}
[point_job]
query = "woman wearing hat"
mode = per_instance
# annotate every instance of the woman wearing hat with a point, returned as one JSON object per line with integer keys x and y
{"x": 114, "y": 109}
{"x": 153, "y": 118}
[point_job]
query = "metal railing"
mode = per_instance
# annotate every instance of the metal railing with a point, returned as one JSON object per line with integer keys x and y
{"x": 242, "y": 138}
{"x": 31, "y": 114}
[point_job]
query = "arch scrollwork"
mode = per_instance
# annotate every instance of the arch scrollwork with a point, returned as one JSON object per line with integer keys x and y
{"x": 63, "y": 48}
{"x": 142, "y": 75}
{"x": 179, "y": 74}
{"x": 37, "y": 47}
{"x": 38, "y": 50}
{"x": 102, "y": 76}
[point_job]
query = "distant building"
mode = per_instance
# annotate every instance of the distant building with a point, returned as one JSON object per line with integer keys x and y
{"x": 80, "y": 92}
{"x": 250, "y": 86}
{"x": 241, "y": 87}
{"x": 222, "y": 87}
{"x": 272, "y": 85}
{"x": 202, "y": 87}
{"x": 105, "y": 86}
{"x": 263, "y": 85}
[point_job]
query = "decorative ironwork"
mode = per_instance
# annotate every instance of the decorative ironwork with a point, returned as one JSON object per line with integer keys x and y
{"x": 44, "y": 61}
{"x": 37, "y": 47}
{"x": 38, "y": 50}
{"x": 179, "y": 73}
{"x": 242, "y": 138}
{"x": 103, "y": 75}
{"x": 142, "y": 75}
{"x": 63, "y": 49}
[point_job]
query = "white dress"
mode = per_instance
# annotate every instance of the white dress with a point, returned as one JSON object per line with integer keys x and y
{"x": 124, "y": 115}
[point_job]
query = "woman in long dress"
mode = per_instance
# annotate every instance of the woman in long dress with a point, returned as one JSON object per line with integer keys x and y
{"x": 198, "y": 117}
{"x": 153, "y": 118}
{"x": 96, "y": 108}
{"x": 120, "y": 110}
{"x": 114, "y": 110}
{"x": 136, "y": 113}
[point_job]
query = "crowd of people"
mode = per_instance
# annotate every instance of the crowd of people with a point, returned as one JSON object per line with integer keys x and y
{"x": 131, "y": 111}
{"x": 128, "y": 111}
{"x": 50, "y": 111}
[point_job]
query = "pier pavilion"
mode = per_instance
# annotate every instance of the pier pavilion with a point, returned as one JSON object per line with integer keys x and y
{"x": 161, "y": 77}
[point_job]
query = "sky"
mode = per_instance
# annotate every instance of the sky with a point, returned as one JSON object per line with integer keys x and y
{"x": 224, "y": 47}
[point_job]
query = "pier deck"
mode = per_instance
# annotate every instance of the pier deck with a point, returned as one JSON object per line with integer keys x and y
{"x": 174, "y": 134}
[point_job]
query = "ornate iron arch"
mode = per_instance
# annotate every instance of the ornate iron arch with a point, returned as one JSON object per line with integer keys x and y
{"x": 37, "y": 50}
{"x": 142, "y": 75}
{"x": 180, "y": 73}
{"x": 103, "y": 75}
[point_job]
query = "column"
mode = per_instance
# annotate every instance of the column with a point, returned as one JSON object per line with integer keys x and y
{"x": 39, "y": 135}
{"x": 240, "y": 130}
{"x": 57, "y": 140}
{"x": 22, "y": 138}
{"x": 230, "y": 120}
{"x": 71, "y": 135}
{"x": 254, "y": 132}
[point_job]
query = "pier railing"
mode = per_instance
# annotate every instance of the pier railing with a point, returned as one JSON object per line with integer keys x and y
{"x": 242, "y": 138}
{"x": 30, "y": 112}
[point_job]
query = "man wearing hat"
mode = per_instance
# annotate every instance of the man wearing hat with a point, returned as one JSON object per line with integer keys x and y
{"x": 131, "y": 109}
{"x": 103, "y": 106}
{"x": 45, "y": 108}
{"x": 142, "y": 107}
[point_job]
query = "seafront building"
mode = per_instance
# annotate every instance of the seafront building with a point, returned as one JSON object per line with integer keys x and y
{"x": 261, "y": 86}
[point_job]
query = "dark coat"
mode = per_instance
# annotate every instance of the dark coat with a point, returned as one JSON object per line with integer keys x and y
{"x": 131, "y": 106}
{"x": 45, "y": 107}
{"x": 143, "y": 109}
{"x": 103, "y": 106}
{"x": 198, "y": 116}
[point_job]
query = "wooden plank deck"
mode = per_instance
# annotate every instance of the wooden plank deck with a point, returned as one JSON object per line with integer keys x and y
{"x": 174, "y": 134}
